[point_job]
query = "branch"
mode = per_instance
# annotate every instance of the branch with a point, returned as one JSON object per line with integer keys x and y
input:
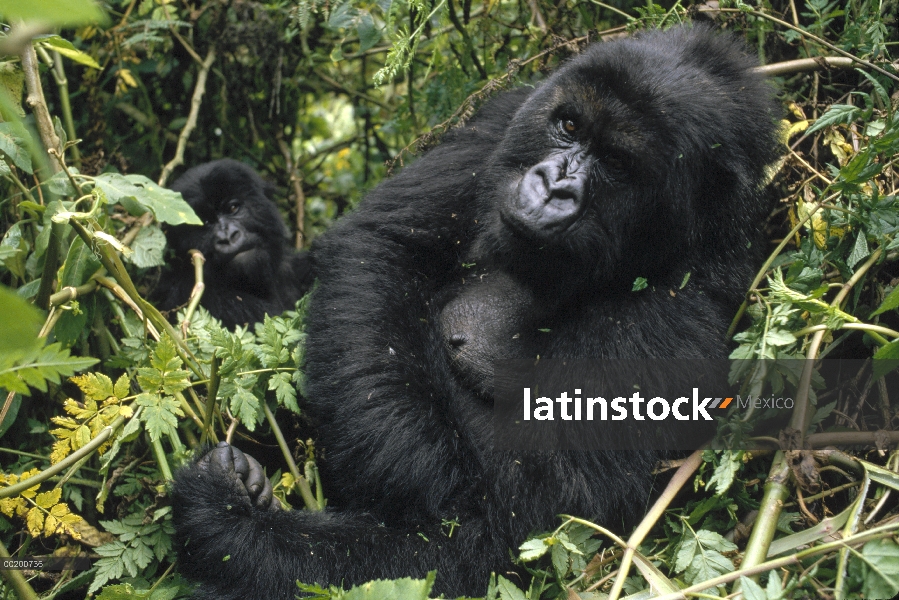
{"x": 195, "y": 102}
{"x": 35, "y": 100}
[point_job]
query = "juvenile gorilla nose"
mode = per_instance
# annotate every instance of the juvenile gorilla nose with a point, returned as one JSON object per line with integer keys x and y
{"x": 228, "y": 236}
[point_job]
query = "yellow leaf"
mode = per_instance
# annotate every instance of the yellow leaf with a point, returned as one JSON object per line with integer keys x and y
{"x": 8, "y": 506}
{"x": 60, "y": 510}
{"x": 794, "y": 128}
{"x": 61, "y": 450}
{"x": 81, "y": 437}
{"x": 126, "y": 411}
{"x": 50, "y": 525}
{"x": 68, "y": 523}
{"x": 96, "y": 386}
{"x": 122, "y": 387}
{"x": 127, "y": 78}
{"x": 48, "y": 499}
{"x": 796, "y": 111}
{"x": 67, "y": 422}
{"x": 35, "y": 521}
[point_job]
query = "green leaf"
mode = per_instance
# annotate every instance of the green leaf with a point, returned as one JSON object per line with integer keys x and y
{"x": 285, "y": 392}
{"x": 725, "y": 472}
{"x": 836, "y": 114}
{"x": 639, "y": 284}
{"x": 13, "y": 143}
{"x": 369, "y": 33}
{"x": 891, "y": 302}
{"x": 53, "y": 12}
{"x": 20, "y": 323}
{"x": 508, "y": 590}
{"x": 405, "y": 588}
{"x": 859, "y": 250}
{"x": 38, "y": 367}
{"x": 885, "y": 359}
{"x": 881, "y": 558}
{"x": 246, "y": 407}
{"x": 81, "y": 263}
{"x": 166, "y": 205}
{"x": 160, "y": 415}
{"x": 533, "y": 549}
{"x": 147, "y": 248}
{"x": 752, "y": 590}
{"x": 65, "y": 48}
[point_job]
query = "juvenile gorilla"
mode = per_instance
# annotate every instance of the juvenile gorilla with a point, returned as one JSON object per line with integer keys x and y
{"x": 642, "y": 157}
{"x": 251, "y": 269}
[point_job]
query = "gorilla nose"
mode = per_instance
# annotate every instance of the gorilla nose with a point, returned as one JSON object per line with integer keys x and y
{"x": 457, "y": 339}
{"x": 227, "y": 238}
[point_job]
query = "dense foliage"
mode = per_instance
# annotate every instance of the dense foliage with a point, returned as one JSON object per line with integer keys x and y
{"x": 103, "y": 398}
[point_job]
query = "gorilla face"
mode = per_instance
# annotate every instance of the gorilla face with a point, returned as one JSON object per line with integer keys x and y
{"x": 598, "y": 166}
{"x": 242, "y": 236}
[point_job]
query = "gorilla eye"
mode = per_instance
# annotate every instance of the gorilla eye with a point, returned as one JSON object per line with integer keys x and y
{"x": 232, "y": 207}
{"x": 617, "y": 161}
{"x": 568, "y": 126}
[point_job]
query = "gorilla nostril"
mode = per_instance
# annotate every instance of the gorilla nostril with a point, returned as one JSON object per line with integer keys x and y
{"x": 457, "y": 339}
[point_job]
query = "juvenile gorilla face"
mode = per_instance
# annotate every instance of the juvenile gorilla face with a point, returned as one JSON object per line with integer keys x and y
{"x": 242, "y": 234}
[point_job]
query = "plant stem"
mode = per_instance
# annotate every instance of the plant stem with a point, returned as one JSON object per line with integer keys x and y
{"x": 301, "y": 483}
{"x": 159, "y": 454}
{"x": 90, "y": 447}
{"x": 678, "y": 480}
{"x": 16, "y": 580}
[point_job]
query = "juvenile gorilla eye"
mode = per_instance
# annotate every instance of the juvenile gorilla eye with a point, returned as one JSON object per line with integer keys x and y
{"x": 568, "y": 126}
{"x": 232, "y": 207}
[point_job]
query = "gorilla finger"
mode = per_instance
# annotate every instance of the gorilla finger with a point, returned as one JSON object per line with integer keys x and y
{"x": 222, "y": 458}
{"x": 266, "y": 498}
{"x": 241, "y": 464}
{"x": 255, "y": 479}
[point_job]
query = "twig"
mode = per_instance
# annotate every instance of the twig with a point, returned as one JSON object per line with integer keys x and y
{"x": 300, "y": 481}
{"x": 35, "y": 100}
{"x": 805, "y": 33}
{"x": 196, "y": 293}
{"x": 91, "y": 446}
{"x": 16, "y": 579}
{"x": 801, "y": 65}
{"x": 195, "y": 102}
{"x": 678, "y": 480}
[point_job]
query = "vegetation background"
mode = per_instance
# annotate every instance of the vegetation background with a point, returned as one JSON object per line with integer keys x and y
{"x": 101, "y": 106}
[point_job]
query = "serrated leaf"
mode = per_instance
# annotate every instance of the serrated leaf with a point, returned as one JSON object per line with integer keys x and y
{"x": 286, "y": 394}
{"x": 891, "y": 302}
{"x": 752, "y": 590}
{"x": 859, "y": 250}
{"x": 65, "y": 47}
{"x": 122, "y": 386}
{"x": 533, "y": 549}
{"x": 35, "y": 521}
{"x": 166, "y": 205}
{"x": 881, "y": 558}
{"x": 245, "y": 406}
{"x": 160, "y": 415}
{"x": 13, "y": 143}
{"x": 725, "y": 472}
{"x": 885, "y": 359}
{"x": 559, "y": 557}
{"x": 405, "y": 588}
{"x": 36, "y": 368}
{"x": 47, "y": 499}
{"x": 96, "y": 386}
{"x": 835, "y": 114}
{"x": 508, "y": 590}
{"x": 148, "y": 248}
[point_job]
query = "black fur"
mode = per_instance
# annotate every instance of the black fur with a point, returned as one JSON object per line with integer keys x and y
{"x": 661, "y": 175}
{"x": 251, "y": 269}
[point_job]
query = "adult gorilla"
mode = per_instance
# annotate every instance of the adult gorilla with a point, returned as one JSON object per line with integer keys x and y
{"x": 251, "y": 269}
{"x": 640, "y": 157}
